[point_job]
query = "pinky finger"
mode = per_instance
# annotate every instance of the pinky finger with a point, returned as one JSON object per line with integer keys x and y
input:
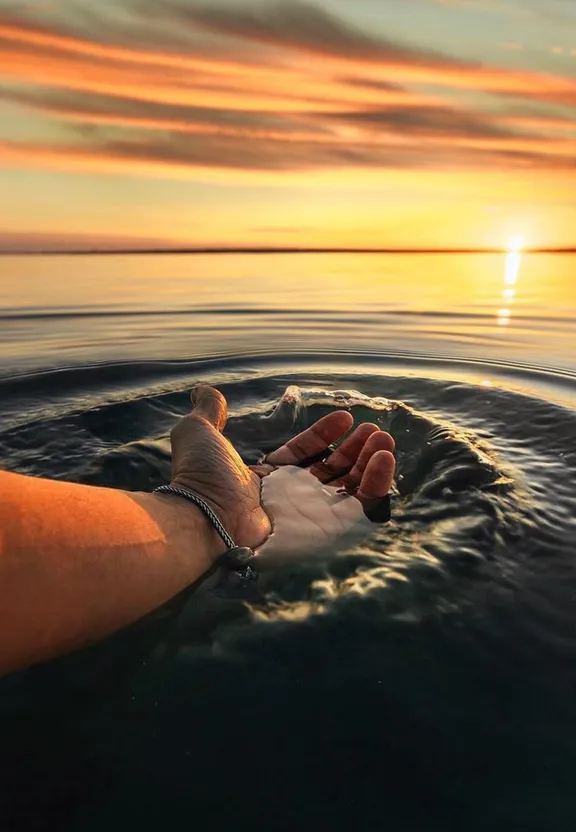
{"x": 377, "y": 477}
{"x": 374, "y": 492}
{"x": 375, "y": 486}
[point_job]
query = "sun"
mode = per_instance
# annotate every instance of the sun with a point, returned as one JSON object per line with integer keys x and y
{"x": 515, "y": 245}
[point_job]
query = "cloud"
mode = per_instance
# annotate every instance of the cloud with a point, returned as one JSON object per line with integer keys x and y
{"x": 302, "y": 26}
{"x": 175, "y": 135}
{"x": 170, "y": 38}
{"x": 124, "y": 111}
{"x": 440, "y": 121}
{"x": 14, "y": 241}
{"x": 370, "y": 84}
{"x": 107, "y": 150}
{"x": 254, "y": 101}
{"x": 424, "y": 121}
{"x": 184, "y": 80}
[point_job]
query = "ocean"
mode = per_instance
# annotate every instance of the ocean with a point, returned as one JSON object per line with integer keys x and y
{"x": 424, "y": 679}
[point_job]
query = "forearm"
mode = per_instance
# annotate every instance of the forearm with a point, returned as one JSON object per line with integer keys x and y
{"x": 78, "y": 563}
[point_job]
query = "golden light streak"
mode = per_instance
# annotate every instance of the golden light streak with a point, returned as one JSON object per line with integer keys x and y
{"x": 511, "y": 274}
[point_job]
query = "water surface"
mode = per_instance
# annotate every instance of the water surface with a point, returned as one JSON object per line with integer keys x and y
{"x": 422, "y": 680}
{"x": 58, "y": 311}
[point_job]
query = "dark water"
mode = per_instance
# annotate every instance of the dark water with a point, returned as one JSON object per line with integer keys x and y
{"x": 425, "y": 680}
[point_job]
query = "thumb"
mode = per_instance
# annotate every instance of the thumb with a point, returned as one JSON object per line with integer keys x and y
{"x": 209, "y": 404}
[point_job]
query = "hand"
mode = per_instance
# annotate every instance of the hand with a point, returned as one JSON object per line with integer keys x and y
{"x": 204, "y": 462}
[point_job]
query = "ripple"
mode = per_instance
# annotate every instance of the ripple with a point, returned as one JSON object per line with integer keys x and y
{"x": 484, "y": 476}
{"x": 435, "y": 657}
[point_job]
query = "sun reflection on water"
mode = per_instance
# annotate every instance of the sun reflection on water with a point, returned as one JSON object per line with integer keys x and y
{"x": 511, "y": 274}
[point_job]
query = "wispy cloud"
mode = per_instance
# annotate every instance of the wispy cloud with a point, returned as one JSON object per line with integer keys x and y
{"x": 10, "y": 242}
{"x": 297, "y": 25}
{"x": 278, "y": 88}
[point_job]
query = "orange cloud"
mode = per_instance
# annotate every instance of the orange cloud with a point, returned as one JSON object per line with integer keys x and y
{"x": 303, "y": 27}
{"x": 294, "y": 27}
{"x": 274, "y": 91}
{"x": 150, "y": 153}
{"x": 292, "y": 89}
{"x": 540, "y": 122}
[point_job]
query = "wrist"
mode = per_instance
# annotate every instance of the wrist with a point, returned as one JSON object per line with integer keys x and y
{"x": 189, "y": 533}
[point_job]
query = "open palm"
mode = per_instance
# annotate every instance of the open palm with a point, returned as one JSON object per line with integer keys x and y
{"x": 204, "y": 462}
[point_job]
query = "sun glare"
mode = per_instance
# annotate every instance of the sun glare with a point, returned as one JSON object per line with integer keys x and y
{"x": 513, "y": 261}
{"x": 511, "y": 274}
{"x": 515, "y": 245}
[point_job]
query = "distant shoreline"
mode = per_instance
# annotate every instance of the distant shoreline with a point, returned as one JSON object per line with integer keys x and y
{"x": 277, "y": 250}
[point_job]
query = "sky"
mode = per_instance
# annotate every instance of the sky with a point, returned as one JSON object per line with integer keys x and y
{"x": 408, "y": 123}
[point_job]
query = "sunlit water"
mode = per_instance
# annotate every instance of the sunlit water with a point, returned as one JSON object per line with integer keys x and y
{"x": 422, "y": 680}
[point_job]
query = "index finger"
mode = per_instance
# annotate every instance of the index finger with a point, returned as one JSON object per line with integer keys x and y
{"x": 313, "y": 440}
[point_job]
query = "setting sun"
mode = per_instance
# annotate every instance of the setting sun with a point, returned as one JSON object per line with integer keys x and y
{"x": 516, "y": 244}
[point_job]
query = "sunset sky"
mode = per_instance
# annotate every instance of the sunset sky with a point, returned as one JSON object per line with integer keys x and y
{"x": 327, "y": 123}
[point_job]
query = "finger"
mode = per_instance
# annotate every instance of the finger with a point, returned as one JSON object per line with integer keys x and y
{"x": 351, "y": 480}
{"x": 377, "y": 478}
{"x": 380, "y": 441}
{"x": 209, "y": 404}
{"x": 314, "y": 440}
{"x": 343, "y": 460}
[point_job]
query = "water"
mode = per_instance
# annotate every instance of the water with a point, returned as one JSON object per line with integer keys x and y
{"x": 423, "y": 680}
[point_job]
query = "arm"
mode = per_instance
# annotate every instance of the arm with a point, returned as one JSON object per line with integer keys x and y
{"x": 78, "y": 563}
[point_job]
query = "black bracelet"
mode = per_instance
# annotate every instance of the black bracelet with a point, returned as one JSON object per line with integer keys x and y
{"x": 238, "y": 559}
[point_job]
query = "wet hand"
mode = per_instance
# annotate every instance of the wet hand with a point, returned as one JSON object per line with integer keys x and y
{"x": 204, "y": 462}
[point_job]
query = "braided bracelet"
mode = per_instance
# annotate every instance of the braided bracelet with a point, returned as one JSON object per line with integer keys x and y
{"x": 238, "y": 560}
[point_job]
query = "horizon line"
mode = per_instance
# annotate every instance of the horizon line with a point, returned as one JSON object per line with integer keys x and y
{"x": 279, "y": 250}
